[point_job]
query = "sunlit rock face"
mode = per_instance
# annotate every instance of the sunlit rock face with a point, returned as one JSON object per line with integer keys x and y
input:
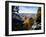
{"x": 28, "y": 22}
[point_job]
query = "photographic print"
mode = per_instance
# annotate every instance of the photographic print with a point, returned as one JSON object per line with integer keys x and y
{"x": 24, "y": 18}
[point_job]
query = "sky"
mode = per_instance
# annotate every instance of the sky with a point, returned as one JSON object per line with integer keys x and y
{"x": 28, "y": 9}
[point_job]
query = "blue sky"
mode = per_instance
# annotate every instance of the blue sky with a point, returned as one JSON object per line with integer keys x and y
{"x": 28, "y": 9}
